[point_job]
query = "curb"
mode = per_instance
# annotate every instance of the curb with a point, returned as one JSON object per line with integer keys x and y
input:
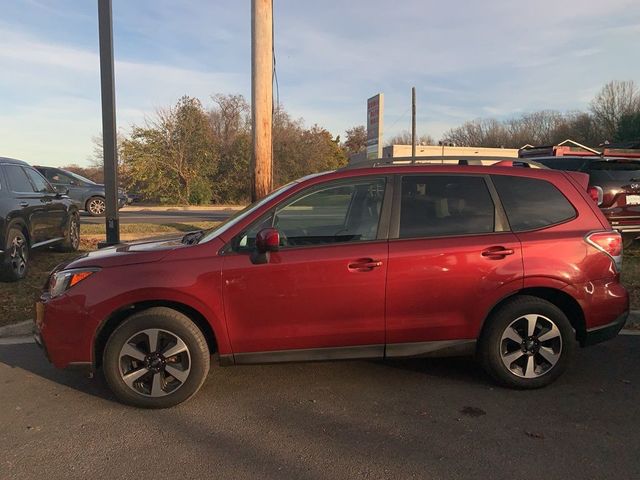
{"x": 633, "y": 320}
{"x": 17, "y": 329}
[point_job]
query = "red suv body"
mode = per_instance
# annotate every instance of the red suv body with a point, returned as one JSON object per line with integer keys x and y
{"x": 516, "y": 265}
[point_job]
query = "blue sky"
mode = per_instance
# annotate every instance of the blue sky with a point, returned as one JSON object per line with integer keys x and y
{"x": 467, "y": 59}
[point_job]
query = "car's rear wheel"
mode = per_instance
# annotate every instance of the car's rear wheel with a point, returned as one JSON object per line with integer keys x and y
{"x": 96, "y": 206}
{"x": 71, "y": 242}
{"x": 156, "y": 358}
{"x": 16, "y": 256}
{"x": 526, "y": 343}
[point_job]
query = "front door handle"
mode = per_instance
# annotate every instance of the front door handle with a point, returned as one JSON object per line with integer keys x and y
{"x": 364, "y": 265}
{"x": 24, "y": 204}
{"x": 497, "y": 252}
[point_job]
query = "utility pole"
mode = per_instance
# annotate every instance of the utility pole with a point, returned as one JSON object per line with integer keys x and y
{"x": 413, "y": 123}
{"x": 107, "y": 90}
{"x": 261, "y": 95}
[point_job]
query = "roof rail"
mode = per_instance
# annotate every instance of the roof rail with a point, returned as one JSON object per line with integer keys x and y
{"x": 478, "y": 160}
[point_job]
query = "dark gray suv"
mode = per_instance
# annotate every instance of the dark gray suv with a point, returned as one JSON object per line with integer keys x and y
{"x": 86, "y": 194}
{"x": 32, "y": 214}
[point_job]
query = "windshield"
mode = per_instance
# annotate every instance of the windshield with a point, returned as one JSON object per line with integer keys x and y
{"x": 79, "y": 177}
{"x": 236, "y": 217}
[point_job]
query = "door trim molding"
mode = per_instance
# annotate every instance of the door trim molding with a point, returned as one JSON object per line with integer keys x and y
{"x": 46, "y": 242}
{"x": 310, "y": 354}
{"x": 438, "y": 348}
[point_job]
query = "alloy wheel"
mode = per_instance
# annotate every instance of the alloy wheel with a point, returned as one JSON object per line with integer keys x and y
{"x": 154, "y": 362}
{"x": 531, "y": 346}
{"x": 18, "y": 255}
{"x": 74, "y": 232}
{"x": 97, "y": 206}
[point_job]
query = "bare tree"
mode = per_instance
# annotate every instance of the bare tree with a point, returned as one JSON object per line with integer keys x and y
{"x": 615, "y": 100}
{"x": 404, "y": 138}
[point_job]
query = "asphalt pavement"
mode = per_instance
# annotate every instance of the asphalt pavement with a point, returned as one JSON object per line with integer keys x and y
{"x": 159, "y": 217}
{"x": 420, "y": 418}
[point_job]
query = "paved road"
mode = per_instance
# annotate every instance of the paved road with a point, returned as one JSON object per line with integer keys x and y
{"x": 359, "y": 419}
{"x": 163, "y": 217}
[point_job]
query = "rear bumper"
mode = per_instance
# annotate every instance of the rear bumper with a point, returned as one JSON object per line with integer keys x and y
{"x": 605, "y": 332}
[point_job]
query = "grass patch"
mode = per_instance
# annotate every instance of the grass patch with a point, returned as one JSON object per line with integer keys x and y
{"x": 148, "y": 228}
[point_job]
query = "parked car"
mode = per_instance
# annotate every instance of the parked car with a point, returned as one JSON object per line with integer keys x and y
{"x": 517, "y": 265}
{"x": 32, "y": 215}
{"x": 614, "y": 183}
{"x": 87, "y": 194}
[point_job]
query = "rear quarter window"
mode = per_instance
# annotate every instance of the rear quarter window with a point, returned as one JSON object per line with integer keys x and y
{"x": 532, "y": 203}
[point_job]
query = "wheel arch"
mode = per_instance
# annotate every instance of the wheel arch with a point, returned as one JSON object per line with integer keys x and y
{"x": 22, "y": 225}
{"x": 561, "y": 299}
{"x": 117, "y": 317}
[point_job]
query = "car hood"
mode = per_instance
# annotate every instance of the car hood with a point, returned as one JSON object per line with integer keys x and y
{"x": 129, "y": 253}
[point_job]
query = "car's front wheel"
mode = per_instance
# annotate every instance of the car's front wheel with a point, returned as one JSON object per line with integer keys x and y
{"x": 156, "y": 358}
{"x": 16, "y": 256}
{"x": 526, "y": 343}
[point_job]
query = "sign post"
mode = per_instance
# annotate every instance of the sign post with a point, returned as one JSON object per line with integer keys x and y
{"x": 375, "y": 112}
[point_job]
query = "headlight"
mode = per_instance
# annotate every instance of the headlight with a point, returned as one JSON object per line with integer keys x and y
{"x": 65, "y": 279}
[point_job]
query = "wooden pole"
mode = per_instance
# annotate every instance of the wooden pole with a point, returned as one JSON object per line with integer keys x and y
{"x": 413, "y": 123}
{"x": 261, "y": 95}
{"x": 109, "y": 145}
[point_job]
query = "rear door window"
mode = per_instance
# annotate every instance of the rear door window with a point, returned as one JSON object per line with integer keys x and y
{"x": 17, "y": 179}
{"x": 444, "y": 205}
{"x": 531, "y": 203}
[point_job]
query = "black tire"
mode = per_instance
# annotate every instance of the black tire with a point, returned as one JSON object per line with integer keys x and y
{"x": 170, "y": 322}
{"x": 71, "y": 241}
{"x": 493, "y": 348}
{"x": 15, "y": 261}
{"x": 629, "y": 240}
{"x": 96, "y": 206}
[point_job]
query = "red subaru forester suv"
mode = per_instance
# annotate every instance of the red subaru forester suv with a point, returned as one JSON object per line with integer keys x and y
{"x": 515, "y": 265}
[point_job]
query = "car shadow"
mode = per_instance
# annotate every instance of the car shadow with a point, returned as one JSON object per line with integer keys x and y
{"x": 30, "y": 358}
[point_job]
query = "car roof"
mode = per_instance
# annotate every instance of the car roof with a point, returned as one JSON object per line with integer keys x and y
{"x": 542, "y": 173}
{"x": 7, "y": 160}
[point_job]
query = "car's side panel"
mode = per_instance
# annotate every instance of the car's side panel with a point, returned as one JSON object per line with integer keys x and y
{"x": 443, "y": 288}
{"x": 306, "y": 298}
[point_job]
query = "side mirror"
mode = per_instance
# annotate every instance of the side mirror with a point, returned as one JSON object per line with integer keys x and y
{"x": 267, "y": 240}
{"x": 61, "y": 189}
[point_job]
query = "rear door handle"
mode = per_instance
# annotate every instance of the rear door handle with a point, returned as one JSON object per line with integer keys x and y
{"x": 364, "y": 265}
{"x": 24, "y": 204}
{"x": 497, "y": 252}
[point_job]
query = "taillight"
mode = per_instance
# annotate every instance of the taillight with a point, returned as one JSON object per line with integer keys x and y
{"x": 596, "y": 193}
{"x": 609, "y": 243}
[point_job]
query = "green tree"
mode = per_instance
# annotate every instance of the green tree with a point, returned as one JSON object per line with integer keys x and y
{"x": 169, "y": 159}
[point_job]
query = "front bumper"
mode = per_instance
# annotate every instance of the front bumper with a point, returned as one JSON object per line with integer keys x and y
{"x": 605, "y": 332}
{"x": 63, "y": 333}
